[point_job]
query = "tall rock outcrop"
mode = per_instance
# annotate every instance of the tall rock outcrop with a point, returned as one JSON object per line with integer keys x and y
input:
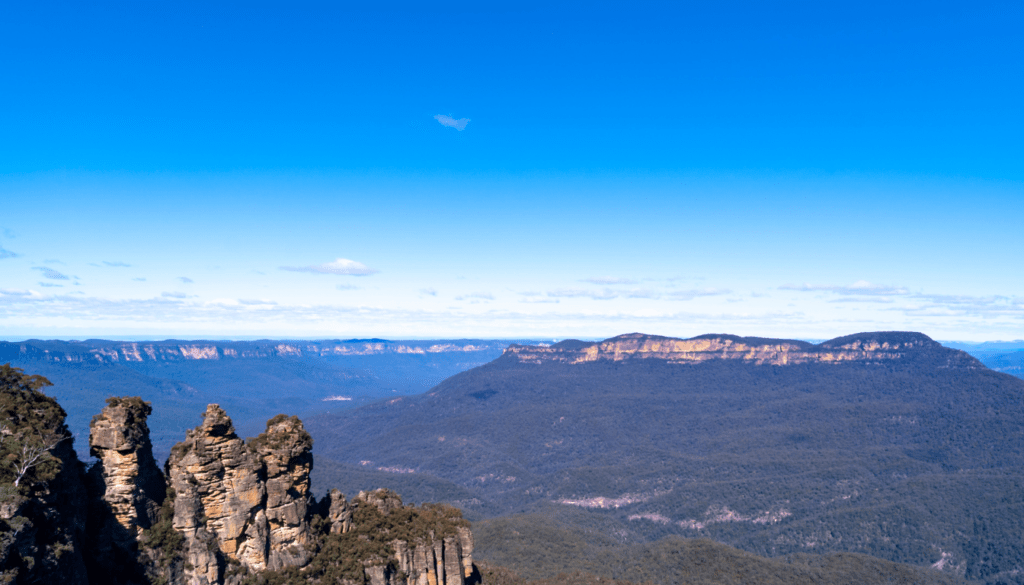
{"x": 339, "y": 514}
{"x": 241, "y": 504}
{"x": 284, "y": 450}
{"x": 130, "y": 482}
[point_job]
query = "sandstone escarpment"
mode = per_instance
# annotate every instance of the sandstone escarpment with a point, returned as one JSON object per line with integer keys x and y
{"x": 249, "y": 501}
{"x": 870, "y": 348}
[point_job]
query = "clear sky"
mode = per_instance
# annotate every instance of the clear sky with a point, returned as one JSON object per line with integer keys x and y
{"x": 511, "y": 169}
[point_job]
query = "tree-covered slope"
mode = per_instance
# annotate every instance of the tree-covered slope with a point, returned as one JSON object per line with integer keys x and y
{"x": 912, "y": 455}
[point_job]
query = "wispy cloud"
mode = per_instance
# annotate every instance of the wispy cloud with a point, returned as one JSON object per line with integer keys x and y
{"x": 7, "y": 254}
{"x": 641, "y": 293}
{"x": 609, "y": 280}
{"x": 13, "y": 292}
{"x": 50, "y": 273}
{"x": 341, "y": 266}
{"x": 484, "y": 296}
{"x": 50, "y": 285}
{"x": 116, "y": 264}
{"x": 574, "y": 293}
{"x": 451, "y": 122}
{"x": 875, "y": 299}
{"x": 185, "y": 279}
{"x": 861, "y": 287}
{"x": 173, "y": 295}
{"x": 689, "y": 295}
{"x": 936, "y": 305}
{"x": 252, "y": 302}
{"x": 428, "y": 291}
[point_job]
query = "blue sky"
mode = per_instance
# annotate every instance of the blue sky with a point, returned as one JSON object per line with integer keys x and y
{"x": 517, "y": 170}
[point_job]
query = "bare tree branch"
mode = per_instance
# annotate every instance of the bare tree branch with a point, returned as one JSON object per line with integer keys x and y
{"x": 36, "y": 453}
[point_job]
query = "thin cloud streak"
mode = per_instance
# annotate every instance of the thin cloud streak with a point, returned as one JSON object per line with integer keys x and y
{"x": 689, "y": 295}
{"x": 861, "y": 287}
{"x": 568, "y": 293}
{"x": 341, "y": 266}
{"x": 609, "y": 280}
{"x": 51, "y": 273}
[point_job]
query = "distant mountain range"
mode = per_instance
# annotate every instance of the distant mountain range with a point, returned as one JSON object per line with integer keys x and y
{"x": 254, "y": 379}
{"x": 1001, "y": 356}
{"x": 883, "y": 443}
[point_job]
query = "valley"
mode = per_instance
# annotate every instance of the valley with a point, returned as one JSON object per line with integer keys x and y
{"x": 884, "y": 445}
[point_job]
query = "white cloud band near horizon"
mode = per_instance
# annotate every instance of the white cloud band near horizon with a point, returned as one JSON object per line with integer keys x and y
{"x": 340, "y": 266}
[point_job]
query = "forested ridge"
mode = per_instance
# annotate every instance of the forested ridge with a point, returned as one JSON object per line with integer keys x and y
{"x": 911, "y": 460}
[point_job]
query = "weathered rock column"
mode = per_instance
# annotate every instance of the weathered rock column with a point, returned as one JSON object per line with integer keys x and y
{"x": 339, "y": 513}
{"x": 244, "y": 503}
{"x": 132, "y": 484}
{"x": 220, "y": 498}
{"x": 285, "y": 452}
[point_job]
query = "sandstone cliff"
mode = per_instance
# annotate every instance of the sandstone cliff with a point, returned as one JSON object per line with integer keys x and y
{"x": 249, "y": 501}
{"x": 132, "y": 484}
{"x": 868, "y": 347}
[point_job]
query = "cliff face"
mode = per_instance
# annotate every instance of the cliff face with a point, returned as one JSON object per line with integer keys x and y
{"x": 249, "y": 501}
{"x": 871, "y": 347}
{"x": 131, "y": 483}
{"x": 171, "y": 351}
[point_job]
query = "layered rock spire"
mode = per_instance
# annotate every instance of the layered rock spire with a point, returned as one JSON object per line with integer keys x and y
{"x": 131, "y": 483}
{"x": 249, "y": 501}
{"x": 243, "y": 507}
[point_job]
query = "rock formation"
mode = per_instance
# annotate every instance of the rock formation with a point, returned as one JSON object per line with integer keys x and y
{"x": 130, "y": 480}
{"x": 234, "y": 509}
{"x": 284, "y": 450}
{"x": 339, "y": 514}
{"x": 250, "y": 501}
{"x": 433, "y": 545}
